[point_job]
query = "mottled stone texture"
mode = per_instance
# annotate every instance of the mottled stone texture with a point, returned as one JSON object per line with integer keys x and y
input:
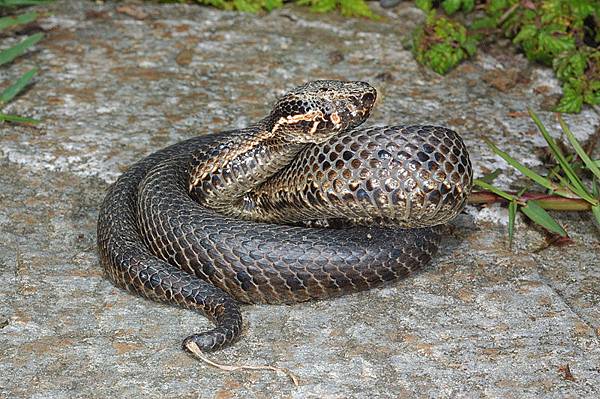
{"x": 480, "y": 321}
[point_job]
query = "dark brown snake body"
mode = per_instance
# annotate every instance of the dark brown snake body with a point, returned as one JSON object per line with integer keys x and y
{"x": 195, "y": 223}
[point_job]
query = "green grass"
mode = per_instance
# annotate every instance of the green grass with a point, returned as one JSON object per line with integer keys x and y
{"x": 8, "y": 55}
{"x": 565, "y": 187}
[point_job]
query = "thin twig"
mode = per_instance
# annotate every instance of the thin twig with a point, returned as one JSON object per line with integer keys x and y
{"x": 192, "y": 347}
{"x": 546, "y": 201}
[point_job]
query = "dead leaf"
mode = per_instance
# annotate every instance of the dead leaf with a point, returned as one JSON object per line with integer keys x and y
{"x": 132, "y": 11}
{"x": 184, "y": 57}
{"x": 566, "y": 370}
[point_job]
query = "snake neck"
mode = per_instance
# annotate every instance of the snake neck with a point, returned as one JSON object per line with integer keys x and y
{"x": 221, "y": 176}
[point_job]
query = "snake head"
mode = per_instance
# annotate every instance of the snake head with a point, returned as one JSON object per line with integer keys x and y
{"x": 316, "y": 111}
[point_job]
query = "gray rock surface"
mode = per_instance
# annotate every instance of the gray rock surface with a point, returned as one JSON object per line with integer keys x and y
{"x": 389, "y": 3}
{"x": 480, "y": 321}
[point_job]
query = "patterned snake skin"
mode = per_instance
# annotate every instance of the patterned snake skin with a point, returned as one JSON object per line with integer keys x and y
{"x": 301, "y": 205}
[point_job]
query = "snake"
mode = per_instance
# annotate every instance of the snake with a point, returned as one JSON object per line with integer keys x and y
{"x": 304, "y": 204}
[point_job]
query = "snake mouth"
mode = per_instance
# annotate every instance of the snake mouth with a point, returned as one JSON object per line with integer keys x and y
{"x": 359, "y": 112}
{"x": 333, "y": 121}
{"x": 316, "y": 117}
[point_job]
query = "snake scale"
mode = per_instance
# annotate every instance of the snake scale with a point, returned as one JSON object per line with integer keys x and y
{"x": 301, "y": 205}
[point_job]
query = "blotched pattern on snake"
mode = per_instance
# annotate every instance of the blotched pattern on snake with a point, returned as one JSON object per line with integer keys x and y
{"x": 303, "y": 204}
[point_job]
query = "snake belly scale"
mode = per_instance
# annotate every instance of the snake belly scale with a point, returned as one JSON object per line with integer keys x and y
{"x": 302, "y": 205}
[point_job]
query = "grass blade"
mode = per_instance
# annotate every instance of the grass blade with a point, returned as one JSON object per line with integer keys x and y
{"x": 596, "y": 212}
{"x": 11, "y": 91}
{"x": 20, "y": 3}
{"x": 536, "y": 213}
{"x": 18, "y": 119}
{"x": 13, "y": 52}
{"x": 565, "y": 183}
{"x": 490, "y": 177}
{"x": 542, "y": 181}
{"x": 495, "y": 190}
{"x": 564, "y": 204}
{"x": 577, "y": 185}
{"x": 512, "y": 213}
{"x": 580, "y": 151}
{"x": 22, "y": 19}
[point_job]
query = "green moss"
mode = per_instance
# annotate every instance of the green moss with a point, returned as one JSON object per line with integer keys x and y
{"x": 441, "y": 43}
{"x": 579, "y": 73}
{"x": 564, "y": 34}
{"x": 349, "y": 8}
{"x": 449, "y": 6}
{"x": 240, "y": 5}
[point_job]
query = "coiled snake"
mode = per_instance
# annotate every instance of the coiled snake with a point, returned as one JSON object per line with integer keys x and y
{"x": 300, "y": 205}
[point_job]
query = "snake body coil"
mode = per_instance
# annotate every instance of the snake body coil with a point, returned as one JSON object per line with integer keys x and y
{"x": 301, "y": 205}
